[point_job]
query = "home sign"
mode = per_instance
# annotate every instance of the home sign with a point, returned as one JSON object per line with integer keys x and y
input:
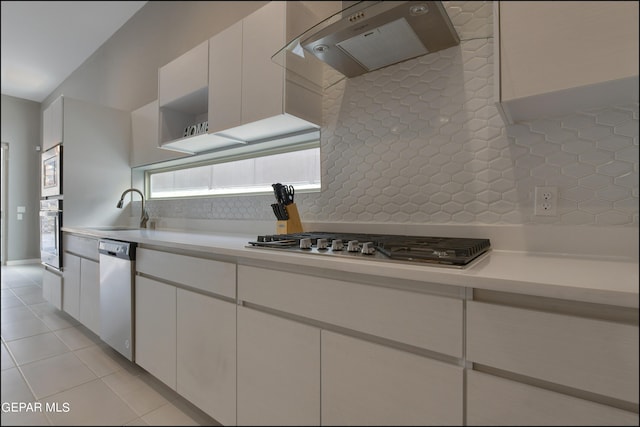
{"x": 196, "y": 129}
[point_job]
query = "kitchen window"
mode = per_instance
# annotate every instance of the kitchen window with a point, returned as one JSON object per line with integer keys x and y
{"x": 240, "y": 174}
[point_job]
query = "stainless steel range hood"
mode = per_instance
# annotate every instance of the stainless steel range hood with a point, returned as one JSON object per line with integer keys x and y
{"x": 368, "y": 35}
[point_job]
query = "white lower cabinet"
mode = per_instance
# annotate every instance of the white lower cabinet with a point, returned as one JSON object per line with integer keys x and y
{"x": 370, "y": 384}
{"x": 71, "y": 294}
{"x": 206, "y": 354}
{"x": 90, "y": 294}
{"x": 255, "y": 346}
{"x": 52, "y": 288}
{"x": 311, "y": 373}
{"x": 81, "y": 296}
{"x": 550, "y": 368}
{"x": 494, "y": 401}
{"x": 278, "y": 370}
{"x": 155, "y": 347}
{"x": 569, "y": 350}
{"x": 184, "y": 336}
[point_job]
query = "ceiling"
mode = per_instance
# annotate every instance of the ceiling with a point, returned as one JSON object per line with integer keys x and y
{"x": 43, "y": 42}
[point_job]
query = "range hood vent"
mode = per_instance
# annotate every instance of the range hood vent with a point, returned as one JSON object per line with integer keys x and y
{"x": 366, "y": 36}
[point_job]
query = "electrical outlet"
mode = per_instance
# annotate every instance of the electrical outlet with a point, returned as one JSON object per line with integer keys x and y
{"x": 546, "y": 201}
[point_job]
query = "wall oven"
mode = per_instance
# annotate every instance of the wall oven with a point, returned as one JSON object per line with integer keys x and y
{"x": 51, "y": 172}
{"x": 51, "y": 233}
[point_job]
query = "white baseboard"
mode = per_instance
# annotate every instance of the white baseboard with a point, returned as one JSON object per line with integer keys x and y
{"x": 23, "y": 261}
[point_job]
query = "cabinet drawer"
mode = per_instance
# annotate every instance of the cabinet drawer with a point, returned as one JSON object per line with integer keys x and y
{"x": 427, "y": 321}
{"x": 497, "y": 401}
{"x": 568, "y": 350}
{"x": 207, "y": 275}
{"x": 83, "y": 246}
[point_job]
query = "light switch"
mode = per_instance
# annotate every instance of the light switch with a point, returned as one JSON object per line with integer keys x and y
{"x": 19, "y": 217}
{"x": 22, "y": 209}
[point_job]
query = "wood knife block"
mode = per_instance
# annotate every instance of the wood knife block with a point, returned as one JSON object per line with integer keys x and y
{"x": 291, "y": 225}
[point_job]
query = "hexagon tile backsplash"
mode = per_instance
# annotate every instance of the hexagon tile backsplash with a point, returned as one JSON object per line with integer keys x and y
{"x": 422, "y": 142}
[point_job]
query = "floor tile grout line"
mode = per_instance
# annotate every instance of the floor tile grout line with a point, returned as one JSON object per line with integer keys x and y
{"x": 127, "y": 403}
{"x": 61, "y": 391}
{"x": 174, "y": 400}
{"x": 97, "y": 376}
{"x": 69, "y": 350}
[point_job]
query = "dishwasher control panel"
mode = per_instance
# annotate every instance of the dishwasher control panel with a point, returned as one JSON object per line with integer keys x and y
{"x": 125, "y": 250}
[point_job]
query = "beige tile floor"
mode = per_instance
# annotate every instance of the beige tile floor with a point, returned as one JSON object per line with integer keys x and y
{"x": 57, "y": 372}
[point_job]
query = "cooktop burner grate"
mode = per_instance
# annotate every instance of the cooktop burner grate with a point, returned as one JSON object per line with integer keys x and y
{"x": 446, "y": 251}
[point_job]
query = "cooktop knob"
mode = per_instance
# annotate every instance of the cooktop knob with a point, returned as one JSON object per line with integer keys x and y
{"x": 368, "y": 248}
{"x": 321, "y": 243}
{"x": 305, "y": 243}
{"x": 353, "y": 246}
{"x": 336, "y": 245}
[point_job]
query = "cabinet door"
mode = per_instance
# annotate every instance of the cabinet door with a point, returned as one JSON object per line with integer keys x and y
{"x": 206, "y": 354}
{"x": 52, "y": 288}
{"x": 145, "y": 141}
{"x": 46, "y": 129}
{"x": 370, "y": 384}
{"x": 184, "y": 75}
{"x": 278, "y": 370}
{"x": 52, "y": 124}
{"x": 71, "y": 294}
{"x": 225, "y": 79}
{"x": 90, "y": 295}
{"x": 155, "y": 348}
{"x": 57, "y": 121}
{"x": 497, "y": 401}
{"x": 552, "y": 46}
{"x": 262, "y": 80}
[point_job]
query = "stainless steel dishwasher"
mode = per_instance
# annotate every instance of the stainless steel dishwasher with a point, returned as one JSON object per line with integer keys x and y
{"x": 117, "y": 269}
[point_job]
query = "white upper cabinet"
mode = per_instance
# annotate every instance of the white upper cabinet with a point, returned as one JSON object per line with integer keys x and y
{"x": 263, "y": 80}
{"x": 273, "y": 102}
{"x": 231, "y": 83}
{"x": 52, "y": 124}
{"x": 555, "y": 57}
{"x": 144, "y": 137}
{"x": 225, "y": 85}
{"x": 183, "y": 96}
{"x": 185, "y": 80}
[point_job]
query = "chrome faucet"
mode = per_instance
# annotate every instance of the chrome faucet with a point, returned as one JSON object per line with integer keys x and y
{"x": 144, "y": 215}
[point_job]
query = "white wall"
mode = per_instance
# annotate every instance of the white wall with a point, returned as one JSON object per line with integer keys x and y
{"x": 21, "y": 129}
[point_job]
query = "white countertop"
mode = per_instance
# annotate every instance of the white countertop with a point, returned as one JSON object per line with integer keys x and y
{"x": 580, "y": 278}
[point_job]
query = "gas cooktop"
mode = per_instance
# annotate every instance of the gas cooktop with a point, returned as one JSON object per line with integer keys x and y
{"x": 441, "y": 251}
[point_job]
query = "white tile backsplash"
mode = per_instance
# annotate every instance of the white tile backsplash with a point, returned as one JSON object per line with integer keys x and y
{"x": 422, "y": 142}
